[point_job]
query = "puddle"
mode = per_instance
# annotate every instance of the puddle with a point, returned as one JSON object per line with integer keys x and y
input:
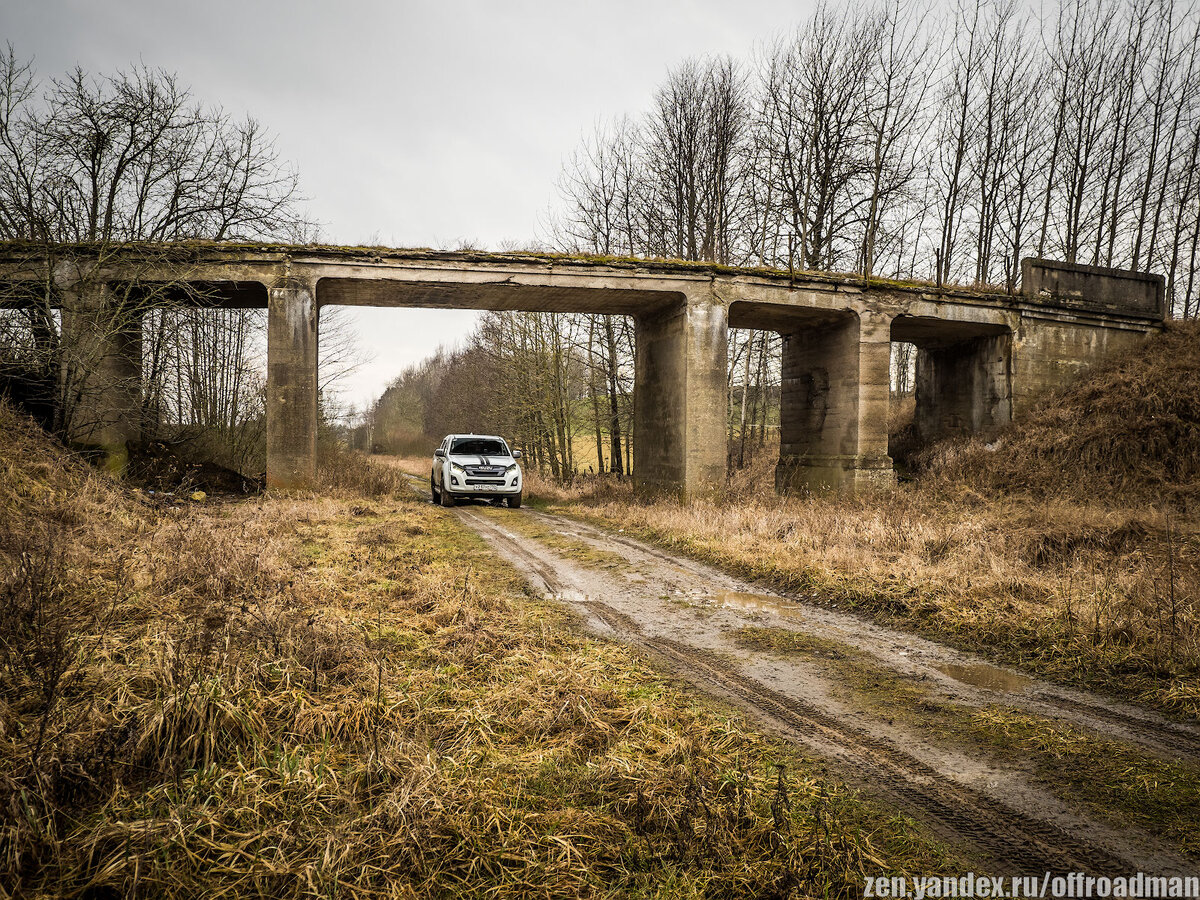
{"x": 757, "y": 603}
{"x": 989, "y": 678}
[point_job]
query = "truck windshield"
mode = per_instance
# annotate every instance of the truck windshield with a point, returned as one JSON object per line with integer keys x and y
{"x": 479, "y": 446}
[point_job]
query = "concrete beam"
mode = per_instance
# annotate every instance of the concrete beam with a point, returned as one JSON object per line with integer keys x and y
{"x": 292, "y": 326}
{"x": 679, "y": 397}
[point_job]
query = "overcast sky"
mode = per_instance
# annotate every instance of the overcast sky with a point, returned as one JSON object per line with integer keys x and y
{"x": 411, "y": 124}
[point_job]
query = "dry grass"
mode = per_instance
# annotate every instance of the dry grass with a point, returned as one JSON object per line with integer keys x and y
{"x": 344, "y": 473}
{"x": 309, "y": 696}
{"x": 1130, "y": 431}
{"x": 1085, "y": 594}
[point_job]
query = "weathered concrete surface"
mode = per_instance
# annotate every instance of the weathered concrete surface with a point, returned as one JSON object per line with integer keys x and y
{"x": 833, "y": 413}
{"x": 963, "y": 388}
{"x": 1048, "y": 353}
{"x": 679, "y": 400}
{"x": 1094, "y": 287}
{"x": 984, "y": 356}
{"x": 291, "y": 382}
{"x": 100, "y": 371}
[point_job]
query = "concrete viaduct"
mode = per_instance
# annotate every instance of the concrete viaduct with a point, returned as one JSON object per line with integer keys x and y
{"x": 982, "y": 356}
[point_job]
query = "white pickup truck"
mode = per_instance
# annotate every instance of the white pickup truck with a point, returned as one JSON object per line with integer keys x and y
{"x": 475, "y": 466}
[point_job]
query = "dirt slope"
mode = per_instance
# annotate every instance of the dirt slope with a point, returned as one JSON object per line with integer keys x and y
{"x": 1129, "y": 429}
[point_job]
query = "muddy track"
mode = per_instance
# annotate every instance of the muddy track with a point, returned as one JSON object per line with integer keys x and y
{"x": 1014, "y": 843}
{"x": 1149, "y": 729}
{"x": 1162, "y": 734}
{"x": 662, "y": 605}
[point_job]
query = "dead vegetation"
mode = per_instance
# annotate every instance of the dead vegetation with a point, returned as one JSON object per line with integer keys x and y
{"x": 1129, "y": 432}
{"x": 307, "y": 696}
{"x": 1071, "y": 550}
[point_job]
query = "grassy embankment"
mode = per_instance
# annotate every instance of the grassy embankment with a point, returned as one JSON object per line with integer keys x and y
{"x": 1072, "y": 551}
{"x": 347, "y": 695}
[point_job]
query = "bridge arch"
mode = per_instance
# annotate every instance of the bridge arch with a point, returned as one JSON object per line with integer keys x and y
{"x": 963, "y": 382}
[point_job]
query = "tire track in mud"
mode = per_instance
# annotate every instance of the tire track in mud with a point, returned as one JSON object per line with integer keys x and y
{"x": 543, "y": 572}
{"x": 1164, "y": 735}
{"x": 1013, "y": 842}
{"x": 1158, "y": 734}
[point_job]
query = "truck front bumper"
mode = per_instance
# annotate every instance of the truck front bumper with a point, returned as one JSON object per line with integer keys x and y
{"x": 465, "y": 490}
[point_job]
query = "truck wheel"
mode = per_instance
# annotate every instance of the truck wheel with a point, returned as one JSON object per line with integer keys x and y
{"x": 433, "y": 491}
{"x": 445, "y": 497}
{"x": 514, "y": 502}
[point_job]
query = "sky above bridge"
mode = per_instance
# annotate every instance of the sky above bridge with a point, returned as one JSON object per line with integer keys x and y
{"x": 412, "y": 124}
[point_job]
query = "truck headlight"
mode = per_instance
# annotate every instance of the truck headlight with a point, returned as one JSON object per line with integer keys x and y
{"x": 512, "y": 470}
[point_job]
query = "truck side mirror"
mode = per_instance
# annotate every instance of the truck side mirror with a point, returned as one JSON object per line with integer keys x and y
{"x": 516, "y": 454}
{"x": 439, "y": 452}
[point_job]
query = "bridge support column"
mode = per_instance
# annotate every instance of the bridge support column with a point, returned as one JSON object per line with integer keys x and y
{"x": 680, "y": 402}
{"x": 100, "y": 372}
{"x": 964, "y": 388}
{"x": 292, "y": 383}
{"x": 833, "y": 416}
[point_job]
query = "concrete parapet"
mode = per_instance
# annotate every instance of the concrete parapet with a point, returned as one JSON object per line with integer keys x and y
{"x": 1112, "y": 290}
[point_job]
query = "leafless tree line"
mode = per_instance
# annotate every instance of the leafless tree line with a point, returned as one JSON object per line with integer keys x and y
{"x": 917, "y": 144}
{"x": 559, "y": 386}
{"x": 893, "y": 142}
{"x": 906, "y": 143}
{"x": 134, "y": 157}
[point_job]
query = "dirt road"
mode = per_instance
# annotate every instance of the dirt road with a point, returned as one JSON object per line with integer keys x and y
{"x": 688, "y": 616}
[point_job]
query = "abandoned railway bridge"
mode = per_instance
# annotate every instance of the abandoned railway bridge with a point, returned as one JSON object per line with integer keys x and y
{"x": 982, "y": 356}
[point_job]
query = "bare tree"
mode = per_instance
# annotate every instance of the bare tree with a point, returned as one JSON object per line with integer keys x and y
{"x": 693, "y": 159}
{"x": 894, "y": 106}
{"x": 132, "y": 157}
{"x": 814, "y": 86}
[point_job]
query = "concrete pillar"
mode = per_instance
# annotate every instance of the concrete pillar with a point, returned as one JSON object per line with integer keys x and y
{"x": 964, "y": 388}
{"x": 833, "y": 417}
{"x": 292, "y": 383}
{"x": 680, "y": 400}
{"x": 100, "y": 371}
